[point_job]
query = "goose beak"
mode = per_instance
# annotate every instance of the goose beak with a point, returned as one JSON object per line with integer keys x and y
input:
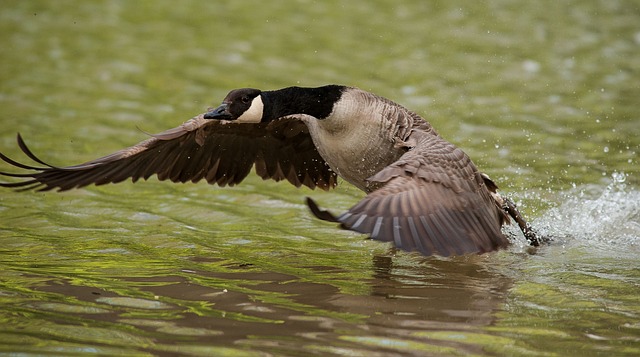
{"x": 220, "y": 113}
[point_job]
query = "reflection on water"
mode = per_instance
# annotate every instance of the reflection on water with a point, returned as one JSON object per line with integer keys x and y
{"x": 431, "y": 305}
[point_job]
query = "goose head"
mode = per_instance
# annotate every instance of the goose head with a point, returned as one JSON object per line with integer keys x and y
{"x": 242, "y": 105}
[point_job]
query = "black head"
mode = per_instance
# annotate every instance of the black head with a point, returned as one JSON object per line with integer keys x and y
{"x": 250, "y": 105}
{"x": 243, "y": 104}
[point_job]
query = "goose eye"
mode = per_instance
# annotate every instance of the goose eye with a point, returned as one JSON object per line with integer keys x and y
{"x": 245, "y": 99}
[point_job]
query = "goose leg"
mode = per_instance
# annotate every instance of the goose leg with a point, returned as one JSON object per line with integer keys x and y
{"x": 528, "y": 232}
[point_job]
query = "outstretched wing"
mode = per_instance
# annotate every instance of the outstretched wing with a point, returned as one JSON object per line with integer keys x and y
{"x": 432, "y": 200}
{"x": 221, "y": 152}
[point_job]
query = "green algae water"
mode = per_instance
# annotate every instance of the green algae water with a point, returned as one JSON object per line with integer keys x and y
{"x": 542, "y": 95}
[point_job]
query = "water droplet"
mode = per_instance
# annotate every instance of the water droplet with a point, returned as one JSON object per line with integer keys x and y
{"x": 619, "y": 177}
{"x": 606, "y": 149}
{"x": 531, "y": 66}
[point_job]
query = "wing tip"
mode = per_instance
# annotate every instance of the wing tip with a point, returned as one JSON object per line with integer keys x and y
{"x": 319, "y": 213}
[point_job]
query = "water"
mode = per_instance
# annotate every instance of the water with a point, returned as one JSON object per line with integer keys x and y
{"x": 543, "y": 96}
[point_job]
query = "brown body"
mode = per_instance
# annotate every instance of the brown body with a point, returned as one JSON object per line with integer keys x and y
{"x": 419, "y": 184}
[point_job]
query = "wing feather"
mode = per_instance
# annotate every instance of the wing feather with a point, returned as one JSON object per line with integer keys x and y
{"x": 432, "y": 200}
{"x": 221, "y": 152}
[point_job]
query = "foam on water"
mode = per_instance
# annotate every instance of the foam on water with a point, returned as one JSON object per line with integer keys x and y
{"x": 596, "y": 216}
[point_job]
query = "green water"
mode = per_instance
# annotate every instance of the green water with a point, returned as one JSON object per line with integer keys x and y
{"x": 542, "y": 95}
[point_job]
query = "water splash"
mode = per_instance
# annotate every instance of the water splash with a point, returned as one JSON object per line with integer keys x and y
{"x": 596, "y": 216}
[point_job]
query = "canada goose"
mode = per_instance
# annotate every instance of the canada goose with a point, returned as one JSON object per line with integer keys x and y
{"x": 423, "y": 193}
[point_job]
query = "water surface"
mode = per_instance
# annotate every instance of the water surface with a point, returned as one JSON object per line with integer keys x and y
{"x": 543, "y": 96}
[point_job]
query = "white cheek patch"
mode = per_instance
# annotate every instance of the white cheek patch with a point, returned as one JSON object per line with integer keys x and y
{"x": 254, "y": 113}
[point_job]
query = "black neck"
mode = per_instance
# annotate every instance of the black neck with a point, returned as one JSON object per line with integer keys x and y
{"x": 317, "y": 102}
